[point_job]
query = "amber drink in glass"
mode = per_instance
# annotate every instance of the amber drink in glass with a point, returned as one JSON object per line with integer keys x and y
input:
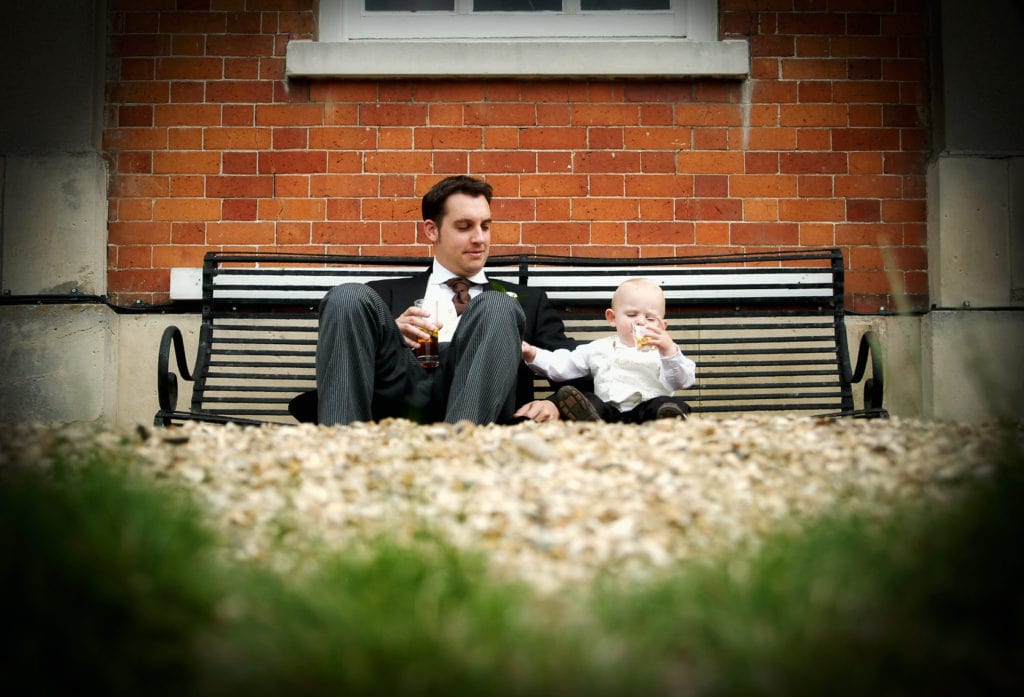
{"x": 427, "y": 350}
{"x": 641, "y": 340}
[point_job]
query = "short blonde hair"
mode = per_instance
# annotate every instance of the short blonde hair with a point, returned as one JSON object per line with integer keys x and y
{"x": 638, "y": 282}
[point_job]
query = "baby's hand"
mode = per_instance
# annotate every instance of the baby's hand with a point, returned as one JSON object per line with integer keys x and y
{"x": 529, "y": 352}
{"x": 660, "y": 339}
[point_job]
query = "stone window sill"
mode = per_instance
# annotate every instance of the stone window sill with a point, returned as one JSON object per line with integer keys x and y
{"x": 523, "y": 59}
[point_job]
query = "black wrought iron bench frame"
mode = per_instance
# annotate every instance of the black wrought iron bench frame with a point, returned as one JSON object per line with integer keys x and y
{"x": 767, "y": 330}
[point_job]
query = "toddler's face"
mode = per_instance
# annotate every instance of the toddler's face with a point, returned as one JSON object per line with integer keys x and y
{"x": 639, "y": 304}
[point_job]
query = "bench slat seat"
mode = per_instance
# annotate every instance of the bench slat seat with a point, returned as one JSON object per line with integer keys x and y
{"x": 767, "y": 330}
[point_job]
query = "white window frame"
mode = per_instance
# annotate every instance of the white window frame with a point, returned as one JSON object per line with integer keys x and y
{"x": 442, "y": 45}
{"x": 463, "y": 23}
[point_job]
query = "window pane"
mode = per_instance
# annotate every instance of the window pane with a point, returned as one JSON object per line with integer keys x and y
{"x": 516, "y": 5}
{"x": 409, "y": 5}
{"x": 624, "y": 4}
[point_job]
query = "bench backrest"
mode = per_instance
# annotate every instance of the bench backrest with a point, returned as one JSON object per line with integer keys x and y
{"x": 766, "y": 330}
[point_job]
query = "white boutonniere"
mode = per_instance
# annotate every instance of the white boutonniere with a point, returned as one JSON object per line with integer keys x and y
{"x": 495, "y": 285}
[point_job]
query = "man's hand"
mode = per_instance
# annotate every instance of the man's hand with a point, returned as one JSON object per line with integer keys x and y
{"x": 538, "y": 410}
{"x": 415, "y": 324}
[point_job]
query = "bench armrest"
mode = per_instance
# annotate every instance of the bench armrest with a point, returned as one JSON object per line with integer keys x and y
{"x": 874, "y": 387}
{"x": 166, "y": 381}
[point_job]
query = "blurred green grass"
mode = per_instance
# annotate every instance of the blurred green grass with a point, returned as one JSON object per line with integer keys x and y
{"x": 114, "y": 586}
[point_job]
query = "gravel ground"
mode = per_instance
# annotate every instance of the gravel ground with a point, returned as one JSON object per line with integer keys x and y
{"x": 551, "y": 504}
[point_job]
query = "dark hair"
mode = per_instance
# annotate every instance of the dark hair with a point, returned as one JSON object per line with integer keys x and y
{"x": 435, "y": 199}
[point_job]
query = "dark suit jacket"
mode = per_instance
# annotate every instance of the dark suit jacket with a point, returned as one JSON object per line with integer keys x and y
{"x": 544, "y": 328}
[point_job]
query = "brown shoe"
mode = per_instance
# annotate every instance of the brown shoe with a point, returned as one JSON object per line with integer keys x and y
{"x": 574, "y": 406}
{"x": 670, "y": 411}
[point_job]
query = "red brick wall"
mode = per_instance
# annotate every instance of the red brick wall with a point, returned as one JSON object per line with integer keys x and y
{"x": 210, "y": 147}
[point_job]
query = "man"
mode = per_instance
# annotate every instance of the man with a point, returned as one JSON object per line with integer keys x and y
{"x": 365, "y": 368}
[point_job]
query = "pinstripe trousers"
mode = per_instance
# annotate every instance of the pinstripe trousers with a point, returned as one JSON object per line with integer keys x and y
{"x": 365, "y": 371}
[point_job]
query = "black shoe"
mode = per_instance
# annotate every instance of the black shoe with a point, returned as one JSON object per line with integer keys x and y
{"x": 574, "y": 406}
{"x": 670, "y": 411}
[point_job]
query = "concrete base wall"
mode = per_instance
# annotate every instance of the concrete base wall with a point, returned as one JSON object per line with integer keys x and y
{"x": 87, "y": 363}
{"x": 139, "y": 341}
{"x": 58, "y": 363}
{"x": 901, "y": 351}
{"x": 972, "y": 368}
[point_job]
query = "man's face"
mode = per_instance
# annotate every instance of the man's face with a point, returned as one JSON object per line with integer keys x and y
{"x": 464, "y": 238}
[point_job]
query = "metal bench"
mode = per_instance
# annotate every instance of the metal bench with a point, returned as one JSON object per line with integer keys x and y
{"x": 767, "y": 330}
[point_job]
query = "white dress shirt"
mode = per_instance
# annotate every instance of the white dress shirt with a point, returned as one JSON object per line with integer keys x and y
{"x": 438, "y": 298}
{"x": 623, "y": 376}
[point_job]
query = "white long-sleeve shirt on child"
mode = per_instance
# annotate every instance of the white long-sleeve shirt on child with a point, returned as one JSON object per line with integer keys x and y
{"x": 623, "y": 376}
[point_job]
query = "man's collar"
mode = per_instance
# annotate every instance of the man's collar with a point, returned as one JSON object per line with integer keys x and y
{"x": 440, "y": 274}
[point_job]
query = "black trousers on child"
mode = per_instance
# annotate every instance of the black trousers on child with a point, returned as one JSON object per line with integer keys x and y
{"x": 644, "y": 411}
